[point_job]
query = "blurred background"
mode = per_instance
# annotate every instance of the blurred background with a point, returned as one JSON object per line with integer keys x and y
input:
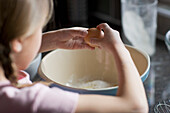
{"x": 90, "y": 13}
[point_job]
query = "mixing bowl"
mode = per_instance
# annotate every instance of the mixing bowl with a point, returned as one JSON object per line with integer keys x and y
{"x": 65, "y": 67}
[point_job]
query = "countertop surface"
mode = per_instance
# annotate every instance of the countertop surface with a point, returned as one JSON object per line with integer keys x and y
{"x": 157, "y": 85}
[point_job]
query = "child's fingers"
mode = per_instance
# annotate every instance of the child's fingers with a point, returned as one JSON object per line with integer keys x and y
{"x": 103, "y": 26}
{"x": 78, "y": 31}
{"x": 78, "y": 38}
{"x": 86, "y": 46}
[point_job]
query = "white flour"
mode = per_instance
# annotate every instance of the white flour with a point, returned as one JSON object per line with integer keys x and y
{"x": 96, "y": 84}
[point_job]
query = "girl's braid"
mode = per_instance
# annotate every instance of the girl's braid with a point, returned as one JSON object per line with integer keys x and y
{"x": 7, "y": 64}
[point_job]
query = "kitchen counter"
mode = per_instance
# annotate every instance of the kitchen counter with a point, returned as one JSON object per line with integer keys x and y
{"x": 157, "y": 84}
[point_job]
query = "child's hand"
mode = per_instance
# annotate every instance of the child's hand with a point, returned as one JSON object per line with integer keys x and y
{"x": 110, "y": 38}
{"x": 72, "y": 38}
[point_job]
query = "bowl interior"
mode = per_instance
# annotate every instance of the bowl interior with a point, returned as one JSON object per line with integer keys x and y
{"x": 64, "y": 66}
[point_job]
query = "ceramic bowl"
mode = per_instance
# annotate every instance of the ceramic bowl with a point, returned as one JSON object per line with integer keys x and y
{"x": 65, "y": 66}
{"x": 167, "y": 40}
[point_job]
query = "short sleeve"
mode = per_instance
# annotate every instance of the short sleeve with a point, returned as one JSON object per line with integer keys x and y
{"x": 52, "y": 100}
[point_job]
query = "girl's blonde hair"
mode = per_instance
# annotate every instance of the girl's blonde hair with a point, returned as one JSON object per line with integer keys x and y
{"x": 19, "y": 18}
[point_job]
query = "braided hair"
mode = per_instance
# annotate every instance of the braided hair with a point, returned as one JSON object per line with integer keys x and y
{"x": 6, "y": 63}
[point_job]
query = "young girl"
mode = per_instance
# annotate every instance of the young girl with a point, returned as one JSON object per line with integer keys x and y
{"x": 21, "y": 38}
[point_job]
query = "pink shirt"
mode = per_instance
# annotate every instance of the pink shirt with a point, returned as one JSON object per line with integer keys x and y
{"x": 36, "y": 99}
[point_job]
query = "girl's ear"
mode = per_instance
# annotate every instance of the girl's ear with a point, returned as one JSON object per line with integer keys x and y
{"x": 16, "y": 45}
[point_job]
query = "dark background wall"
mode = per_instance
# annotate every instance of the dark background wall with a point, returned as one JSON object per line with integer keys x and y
{"x": 89, "y": 13}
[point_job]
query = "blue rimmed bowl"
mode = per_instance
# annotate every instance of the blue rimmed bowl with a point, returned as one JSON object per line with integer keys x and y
{"x": 61, "y": 66}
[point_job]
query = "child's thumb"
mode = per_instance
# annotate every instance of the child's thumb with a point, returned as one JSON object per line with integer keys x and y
{"x": 104, "y": 26}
